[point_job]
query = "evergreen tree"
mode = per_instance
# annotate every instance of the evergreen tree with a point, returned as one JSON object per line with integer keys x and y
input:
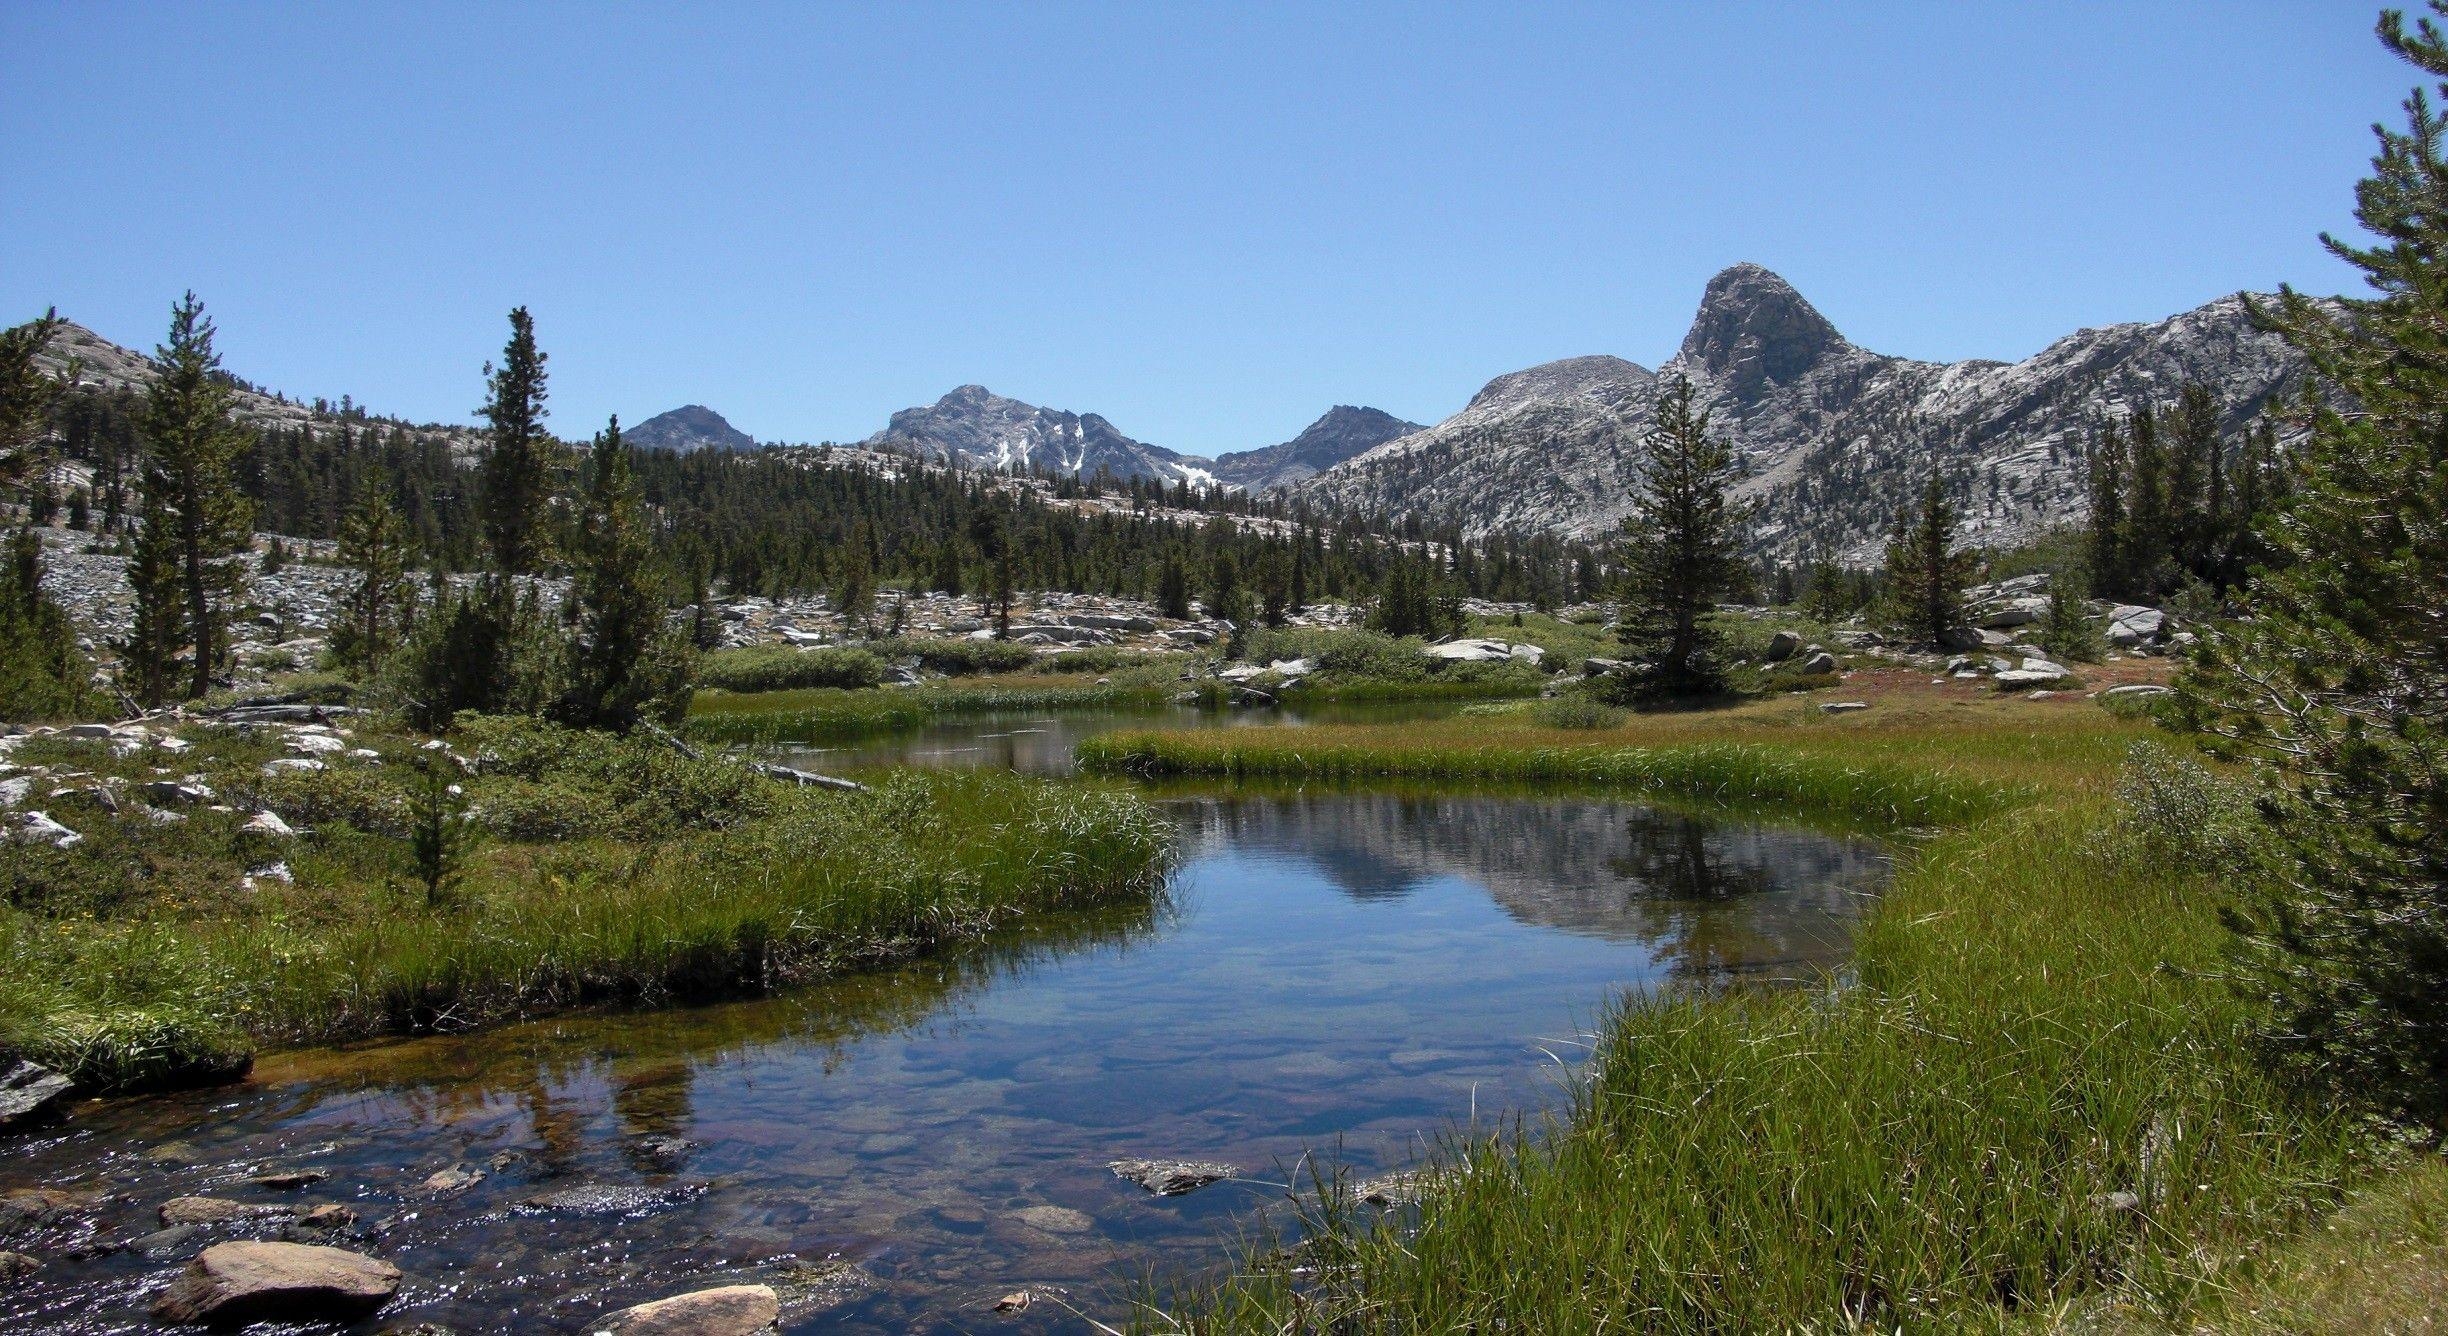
{"x": 517, "y": 468}
{"x": 2104, "y": 532}
{"x": 158, "y": 631}
{"x": 1173, "y": 587}
{"x": 854, "y": 596}
{"x": 1681, "y": 548}
{"x": 374, "y": 541}
{"x": 2065, "y": 624}
{"x": 26, "y": 395}
{"x": 1925, "y": 574}
{"x": 42, "y": 673}
{"x": 190, "y": 483}
{"x": 624, "y": 667}
{"x": 2334, "y": 681}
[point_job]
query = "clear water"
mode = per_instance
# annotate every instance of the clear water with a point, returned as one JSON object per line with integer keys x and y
{"x": 1334, "y": 973}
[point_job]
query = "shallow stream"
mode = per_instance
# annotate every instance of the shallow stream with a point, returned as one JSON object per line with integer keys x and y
{"x": 1332, "y": 973}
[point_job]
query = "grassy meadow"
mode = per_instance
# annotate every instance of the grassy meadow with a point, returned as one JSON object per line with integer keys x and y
{"x": 600, "y": 870}
{"x": 2027, "y": 1102}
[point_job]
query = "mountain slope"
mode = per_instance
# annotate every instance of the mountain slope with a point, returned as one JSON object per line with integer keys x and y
{"x": 689, "y": 427}
{"x": 1833, "y": 435}
{"x": 108, "y": 367}
{"x": 976, "y": 428}
{"x": 1343, "y": 432}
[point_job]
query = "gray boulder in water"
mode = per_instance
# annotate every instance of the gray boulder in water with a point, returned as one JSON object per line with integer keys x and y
{"x": 29, "y": 1089}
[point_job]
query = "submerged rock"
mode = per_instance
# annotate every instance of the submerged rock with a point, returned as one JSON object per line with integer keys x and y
{"x": 214, "y": 1211}
{"x": 283, "y": 1180}
{"x": 16, "y": 1266}
{"x": 252, "y": 1282}
{"x": 1171, "y": 1178}
{"x": 1055, "y": 1219}
{"x": 729, "y": 1310}
{"x": 451, "y": 1180}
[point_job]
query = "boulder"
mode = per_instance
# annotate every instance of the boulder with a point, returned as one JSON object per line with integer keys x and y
{"x": 39, "y": 827}
{"x": 1845, "y": 706}
{"x": 171, "y": 793}
{"x": 268, "y": 824}
{"x": 1960, "y": 639}
{"x": 1470, "y": 651}
{"x": 1819, "y": 663}
{"x": 2013, "y": 612}
{"x": 232, "y": 1283}
{"x": 2137, "y": 689}
{"x": 1782, "y": 646}
{"x": 1593, "y": 666}
{"x": 730, "y": 1310}
{"x": 28, "y": 1089}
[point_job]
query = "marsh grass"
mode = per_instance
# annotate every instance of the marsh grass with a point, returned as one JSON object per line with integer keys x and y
{"x": 2030, "y": 1087}
{"x": 614, "y": 872}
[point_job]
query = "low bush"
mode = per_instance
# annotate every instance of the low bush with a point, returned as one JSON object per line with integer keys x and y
{"x": 783, "y": 668}
{"x": 1576, "y": 710}
{"x": 957, "y": 658}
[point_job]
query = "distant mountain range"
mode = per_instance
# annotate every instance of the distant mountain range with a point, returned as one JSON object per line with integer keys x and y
{"x": 1832, "y": 435}
{"x": 977, "y": 428}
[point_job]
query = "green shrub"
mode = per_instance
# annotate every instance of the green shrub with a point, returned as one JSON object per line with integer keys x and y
{"x": 957, "y": 658}
{"x": 1575, "y": 710}
{"x": 784, "y": 668}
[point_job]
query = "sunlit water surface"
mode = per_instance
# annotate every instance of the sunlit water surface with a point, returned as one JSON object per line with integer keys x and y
{"x": 1332, "y": 973}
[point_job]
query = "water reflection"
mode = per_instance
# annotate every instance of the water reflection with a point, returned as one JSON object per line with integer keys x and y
{"x": 1716, "y": 898}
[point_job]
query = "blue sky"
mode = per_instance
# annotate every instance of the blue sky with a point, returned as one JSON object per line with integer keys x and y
{"x": 1207, "y": 222}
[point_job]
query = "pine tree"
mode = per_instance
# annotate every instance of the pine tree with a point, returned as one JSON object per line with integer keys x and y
{"x": 517, "y": 468}
{"x": 624, "y": 667}
{"x": 854, "y": 595}
{"x": 1681, "y": 548}
{"x": 2104, "y": 535}
{"x": 42, "y": 673}
{"x": 1173, "y": 587}
{"x": 1925, "y": 574}
{"x": 2065, "y": 624}
{"x": 374, "y": 540}
{"x": 190, "y": 483}
{"x": 157, "y": 633}
{"x": 2334, "y": 683}
{"x": 26, "y": 395}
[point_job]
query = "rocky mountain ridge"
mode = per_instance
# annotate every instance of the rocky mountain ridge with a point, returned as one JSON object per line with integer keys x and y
{"x": 1344, "y": 431}
{"x": 686, "y": 428}
{"x": 1833, "y": 436}
{"x": 110, "y": 368}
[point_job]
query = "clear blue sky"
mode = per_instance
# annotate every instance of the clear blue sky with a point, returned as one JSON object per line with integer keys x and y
{"x": 1207, "y": 222}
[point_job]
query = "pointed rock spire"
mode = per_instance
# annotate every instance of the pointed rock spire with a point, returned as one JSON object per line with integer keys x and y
{"x": 1753, "y": 330}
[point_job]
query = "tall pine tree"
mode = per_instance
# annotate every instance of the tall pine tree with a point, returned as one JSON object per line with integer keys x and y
{"x": 625, "y": 666}
{"x": 1925, "y": 573}
{"x": 2334, "y": 682}
{"x": 191, "y": 483}
{"x": 1681, "y": 549}
{"x": 518, "y": 457}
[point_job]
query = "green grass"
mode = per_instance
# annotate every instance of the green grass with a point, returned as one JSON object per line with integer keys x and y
{"x": 1934, "y": 1143}
{"x": 613, "y": 872}
{"x": 784, "y": 668}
